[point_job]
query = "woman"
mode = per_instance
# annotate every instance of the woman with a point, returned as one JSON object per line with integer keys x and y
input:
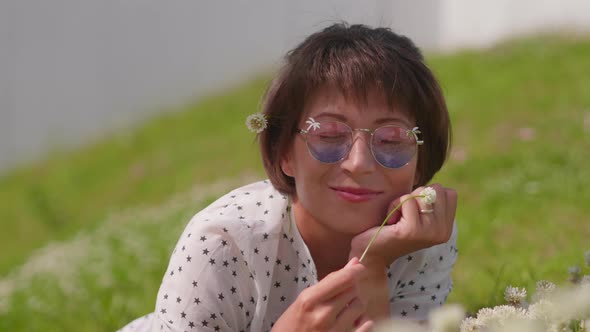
{"x": 353, "y": 124}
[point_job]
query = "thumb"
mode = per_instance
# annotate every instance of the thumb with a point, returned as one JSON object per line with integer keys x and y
{"x": 352, "y": 262}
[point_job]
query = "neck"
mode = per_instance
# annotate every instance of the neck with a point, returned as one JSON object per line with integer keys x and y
{"x": 328, "y": 248}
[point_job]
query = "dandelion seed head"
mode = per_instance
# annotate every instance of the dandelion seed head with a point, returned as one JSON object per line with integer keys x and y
{"x": 543, "y": 290}
{"x": 499, "y": 315}
{"x": 545, "y": 286}
{"x": 471, "y": 324}
{"x": 515, "y": 296}
{"x": 428, "y": 195}
{"x": 543, "y": 310}
{"x": 572, "y": 302}
{"x": 256, "y": 122}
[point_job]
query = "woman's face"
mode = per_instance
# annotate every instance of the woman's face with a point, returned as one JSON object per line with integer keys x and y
{"x": 352, "y": 195}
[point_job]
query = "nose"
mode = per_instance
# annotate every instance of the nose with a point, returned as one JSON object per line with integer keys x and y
{"x": 360, "y": 159}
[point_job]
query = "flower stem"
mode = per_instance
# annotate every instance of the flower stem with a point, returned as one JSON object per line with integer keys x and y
{"x": 383, "y": 224}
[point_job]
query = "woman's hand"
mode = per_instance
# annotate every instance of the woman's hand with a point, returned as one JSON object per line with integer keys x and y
{"x": 413, "y": 227}
{"x": 333, "y": 304}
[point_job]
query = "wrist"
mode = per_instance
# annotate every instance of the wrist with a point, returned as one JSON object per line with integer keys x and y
{"x": 376, "y": 289}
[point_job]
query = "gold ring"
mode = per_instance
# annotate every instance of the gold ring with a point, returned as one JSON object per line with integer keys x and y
{"x": 426, "y": 210}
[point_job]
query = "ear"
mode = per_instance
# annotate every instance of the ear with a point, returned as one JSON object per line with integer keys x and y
{"x": 286, "y": 165}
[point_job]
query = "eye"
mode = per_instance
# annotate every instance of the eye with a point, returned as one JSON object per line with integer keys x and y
{"x": 333, "y": 137}
{"x": 390, "y": 142}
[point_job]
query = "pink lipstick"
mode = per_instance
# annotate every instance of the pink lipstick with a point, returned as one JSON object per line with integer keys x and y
{"x": 355, "y": 195}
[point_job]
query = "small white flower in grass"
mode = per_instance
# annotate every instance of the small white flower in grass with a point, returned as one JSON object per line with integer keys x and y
{"x": 575, "y": 273}
{"x": 471, "y": 324}
{"x": 499, "y": 315}
{"x": 428, "y": 195}
{"x": 572, "y": 303}
{"x": 256, "y": 122}
{"x": 515, "y": 296}
{"x": 544, "y": 289}
{"x": 446, "y": 318}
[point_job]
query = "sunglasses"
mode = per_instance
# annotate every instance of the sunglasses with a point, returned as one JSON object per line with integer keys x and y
{"x": 331, "y": 141}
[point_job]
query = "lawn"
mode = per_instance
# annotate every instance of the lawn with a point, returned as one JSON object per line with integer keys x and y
{"x": 87, "y": 233}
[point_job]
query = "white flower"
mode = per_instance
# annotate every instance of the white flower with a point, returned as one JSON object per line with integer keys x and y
{"x": 471, "y": 324}
{"x": 575, "y": 273}
{"x": 499, "y": 315}
{"x": 545, "y": 286}
{"x": 256, "y": 122}
{"x": 520, "y": 325}
{"x": 587, "y": 257}
{"x": 446, "y": 318}
{"x": 544, "y": 289}
{"x": 543, "y": 311}
{"x": 515, "y": 296}
{"x": 572, "y": 302}
{"x": 313, "y": 124}
{"x": 428, "y": 195}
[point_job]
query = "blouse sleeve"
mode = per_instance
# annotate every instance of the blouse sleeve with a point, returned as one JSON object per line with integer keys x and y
{"x": 208, "y": 285}
{"x": 425, "y": 281}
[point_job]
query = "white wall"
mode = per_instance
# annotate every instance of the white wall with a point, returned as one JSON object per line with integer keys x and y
{"x": 72, "y": 70}
{"x": 467, "y": 23}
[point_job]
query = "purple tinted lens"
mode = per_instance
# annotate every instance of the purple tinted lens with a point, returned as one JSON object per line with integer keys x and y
{"x": 330, "y": 143}
{"x": 393, "y": 147}
{"x": 328, "y": 154}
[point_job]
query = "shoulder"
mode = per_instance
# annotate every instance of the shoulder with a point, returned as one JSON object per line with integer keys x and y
{"x": 236, "y": 218}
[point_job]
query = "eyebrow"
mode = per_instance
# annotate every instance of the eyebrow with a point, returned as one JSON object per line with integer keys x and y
{"x": 343, "y": 118}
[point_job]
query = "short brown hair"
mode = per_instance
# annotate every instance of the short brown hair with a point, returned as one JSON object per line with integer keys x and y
{"x": 354, "y": 59}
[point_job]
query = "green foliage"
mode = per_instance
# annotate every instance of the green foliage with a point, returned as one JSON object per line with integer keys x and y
{"x": 521, "y": 114}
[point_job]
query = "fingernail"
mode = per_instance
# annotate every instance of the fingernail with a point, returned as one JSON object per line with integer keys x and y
{"x": 353, "y": 261}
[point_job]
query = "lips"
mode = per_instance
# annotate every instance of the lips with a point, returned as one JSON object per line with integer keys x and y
{"x": 356, "y": 195}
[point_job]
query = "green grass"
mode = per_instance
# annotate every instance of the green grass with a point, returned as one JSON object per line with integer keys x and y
{"x": 524, "y": 204}
{"x": 70, "y": 191}
{"x": 523, "y": 211}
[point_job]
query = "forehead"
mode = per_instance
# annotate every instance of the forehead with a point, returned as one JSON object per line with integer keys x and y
{"x": 330, "y": 102}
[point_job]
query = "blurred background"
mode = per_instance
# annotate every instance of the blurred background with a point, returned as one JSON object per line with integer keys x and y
{"x": 121, "y": 119}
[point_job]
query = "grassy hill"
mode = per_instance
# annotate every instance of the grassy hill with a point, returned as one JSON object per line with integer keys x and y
{"x": 89, "y": 232}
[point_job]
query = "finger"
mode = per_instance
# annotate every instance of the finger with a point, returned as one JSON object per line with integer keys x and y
{"x": 366, "y": 326}
{"x": 338, "y": 304}
{"x": 349, "y": 314}
{"x": 410, "y": 209}
{"x": 395, "y": 217}
{"x": 336, "y": 283}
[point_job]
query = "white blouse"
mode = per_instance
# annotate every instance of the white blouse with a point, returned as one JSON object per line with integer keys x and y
{"x": 241, "y": 262}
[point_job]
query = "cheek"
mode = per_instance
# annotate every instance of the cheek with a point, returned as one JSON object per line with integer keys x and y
{"x": 403, "y": 180}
